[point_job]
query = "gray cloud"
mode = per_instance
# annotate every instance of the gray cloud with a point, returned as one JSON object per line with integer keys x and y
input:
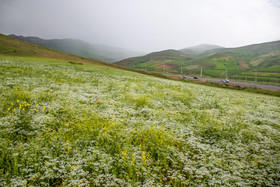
{"x": 145, "y": 25}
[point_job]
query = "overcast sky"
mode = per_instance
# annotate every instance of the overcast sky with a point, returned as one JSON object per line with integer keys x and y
{"x": 145, "y": 25}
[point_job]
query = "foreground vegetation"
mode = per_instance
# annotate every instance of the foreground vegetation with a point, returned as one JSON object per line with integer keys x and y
{"x": 70, "y": 123}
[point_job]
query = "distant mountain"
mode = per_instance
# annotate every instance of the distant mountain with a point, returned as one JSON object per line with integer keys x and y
{"x": 200, "y": 48}
{"x": 81, "y": 48}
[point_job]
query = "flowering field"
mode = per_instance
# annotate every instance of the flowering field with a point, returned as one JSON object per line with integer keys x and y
{"x": 65, "y": 123}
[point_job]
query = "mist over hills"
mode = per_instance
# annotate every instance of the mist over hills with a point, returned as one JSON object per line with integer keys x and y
{"x": 81, "y": 48}
{"x": 13, "y": 47}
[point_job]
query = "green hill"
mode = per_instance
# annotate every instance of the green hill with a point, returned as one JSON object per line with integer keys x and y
{"x": 168, "y": 60}
{"x": 259, "y": 62}
{"x": 81, "y": 48}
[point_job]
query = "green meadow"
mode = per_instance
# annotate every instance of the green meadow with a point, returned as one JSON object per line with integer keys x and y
{"x": 66, "y": 123}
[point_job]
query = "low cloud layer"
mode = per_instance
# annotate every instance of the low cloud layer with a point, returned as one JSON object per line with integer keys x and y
{"x": 145, "y": 25}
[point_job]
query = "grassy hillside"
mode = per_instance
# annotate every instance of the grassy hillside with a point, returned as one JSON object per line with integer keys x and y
{"x": 168, "y": 61}
{"x": 81, "y": 48}
{"x": 243, "y": 63}
{"x": 77, "y": 124}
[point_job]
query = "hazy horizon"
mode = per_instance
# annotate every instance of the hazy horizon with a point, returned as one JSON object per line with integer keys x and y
{"x": 145, "y": 25}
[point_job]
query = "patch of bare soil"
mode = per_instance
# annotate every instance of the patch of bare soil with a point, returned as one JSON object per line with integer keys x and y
{"x": 185, "y": 56}
{"x": 243, "y": 65}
